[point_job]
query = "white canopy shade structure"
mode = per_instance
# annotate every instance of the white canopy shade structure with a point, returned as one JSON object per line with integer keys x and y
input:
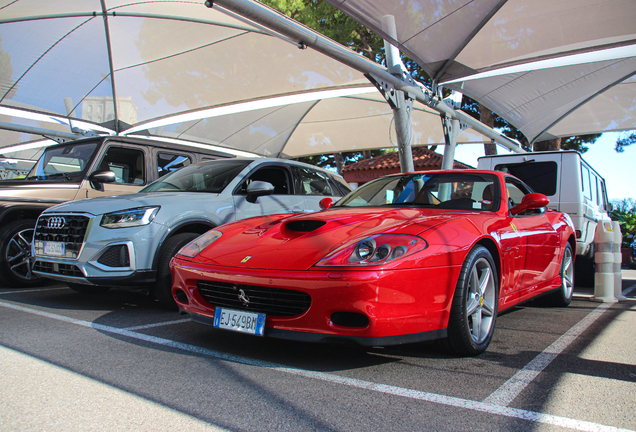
{"x": 181, "y": 70}
{"x": 550, "y": 68}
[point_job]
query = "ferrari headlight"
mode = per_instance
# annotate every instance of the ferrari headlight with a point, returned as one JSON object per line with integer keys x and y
{"x": 129, "y": 218}
{"x": 375, "y": 250}
{"x": 193, "y": 248}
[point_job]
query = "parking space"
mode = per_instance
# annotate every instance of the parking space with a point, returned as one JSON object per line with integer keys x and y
{"x": 119, "y": 360}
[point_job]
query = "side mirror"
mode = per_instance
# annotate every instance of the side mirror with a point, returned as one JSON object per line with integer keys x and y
{"x": 99, "y": 177}
{"x": 258, "y": 188}
{"x": 530, "y": 201}
{"x": 325, "y": 203}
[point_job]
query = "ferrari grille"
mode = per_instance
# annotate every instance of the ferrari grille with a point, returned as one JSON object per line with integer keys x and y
{"x": 268, "y": 300}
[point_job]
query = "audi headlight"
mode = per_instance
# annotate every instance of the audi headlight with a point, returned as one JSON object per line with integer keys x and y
{"x": 374, "y": 250}
{"x": 193, "y": 248}
{"x": 129, "y": 218}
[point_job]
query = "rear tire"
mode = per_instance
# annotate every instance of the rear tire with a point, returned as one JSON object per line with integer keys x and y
{"x": 15, "y": 255}
{"x": 163, "y": 287}
{"x": 474, "y": 310}
{"x": 563, "y": 296}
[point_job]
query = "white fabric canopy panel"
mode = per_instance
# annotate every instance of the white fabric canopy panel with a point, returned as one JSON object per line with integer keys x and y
{"x": 545, "y": 66}
{"x": 180, "y": 70}
{"x": 322, "y": 126}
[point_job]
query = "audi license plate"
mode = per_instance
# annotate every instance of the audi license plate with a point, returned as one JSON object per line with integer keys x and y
{"x": 245, "y": 322}
{"x": 54, "y": 249}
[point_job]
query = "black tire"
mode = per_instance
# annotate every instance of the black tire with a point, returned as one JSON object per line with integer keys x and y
{"x": 563, "y": 296}
{"x": 163, "y": 287}
{"x": 87, "y": 289}
{"x": 15, "y": 255}
{"x": 474, "y": 309}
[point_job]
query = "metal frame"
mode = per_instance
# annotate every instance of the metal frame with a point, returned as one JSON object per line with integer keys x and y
{"x": 304, "y": 36}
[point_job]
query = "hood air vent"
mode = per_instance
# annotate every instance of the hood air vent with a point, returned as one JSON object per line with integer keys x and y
{"x": 304, "y": 225}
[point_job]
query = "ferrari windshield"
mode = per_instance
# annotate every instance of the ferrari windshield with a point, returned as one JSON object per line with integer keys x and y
{"x": 68, "y": 161}
{"x": 211, "y": 177}
{"x": 462, "y": 191}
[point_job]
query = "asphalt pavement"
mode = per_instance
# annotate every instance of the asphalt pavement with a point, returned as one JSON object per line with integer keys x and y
{"x": 595, "y": 388}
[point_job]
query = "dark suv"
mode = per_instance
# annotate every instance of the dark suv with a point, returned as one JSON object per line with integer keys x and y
{"x": 85, "y": 168}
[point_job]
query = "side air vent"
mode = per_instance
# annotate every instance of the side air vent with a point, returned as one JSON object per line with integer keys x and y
{"x": 304, "y": 225}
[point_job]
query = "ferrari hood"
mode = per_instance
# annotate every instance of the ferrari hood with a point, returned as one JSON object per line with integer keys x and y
{"x": 299, "y": 242}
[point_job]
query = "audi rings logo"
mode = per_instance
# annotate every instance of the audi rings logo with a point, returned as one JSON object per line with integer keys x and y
{"x": 56, "y": 222}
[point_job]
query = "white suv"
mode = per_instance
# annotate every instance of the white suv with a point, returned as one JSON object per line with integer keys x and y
{"x": 128, "y": 240}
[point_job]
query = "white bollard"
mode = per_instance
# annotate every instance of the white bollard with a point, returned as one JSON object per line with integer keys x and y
{"x": 604, "y": 258}
{"x": 618, "y": 260}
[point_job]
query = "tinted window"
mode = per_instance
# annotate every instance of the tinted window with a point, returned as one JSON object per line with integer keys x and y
{"x": 169, "y": 162}
{"x": 540, "y": 176}
{"x": 315, "y": 183}
{"x": 585, "y": 182}
{"x": 70, "y": 160}
{"x": 593, "y": 189}
{"x": 128, "y": 165}
{"x": 277, "y": 176}
{"x": 210, "y": 177}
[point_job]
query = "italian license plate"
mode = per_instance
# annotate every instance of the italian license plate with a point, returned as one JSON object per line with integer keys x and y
{"x": 54, "y": 249}
{"x": 245, "y": 322}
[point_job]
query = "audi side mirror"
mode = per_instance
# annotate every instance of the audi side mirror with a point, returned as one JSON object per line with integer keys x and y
{"x": 257, "y": 189}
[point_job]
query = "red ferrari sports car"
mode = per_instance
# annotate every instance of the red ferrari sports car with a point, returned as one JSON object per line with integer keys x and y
{"x": 404, "y": 258}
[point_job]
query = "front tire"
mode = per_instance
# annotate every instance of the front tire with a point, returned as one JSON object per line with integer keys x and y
{"x": 15, "y": 254}
{"x": 474, "y": 309}
{"x": 163, "y": 287}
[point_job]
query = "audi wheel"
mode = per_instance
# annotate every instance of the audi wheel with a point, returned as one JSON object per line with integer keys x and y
{"x": 15, "y": 255}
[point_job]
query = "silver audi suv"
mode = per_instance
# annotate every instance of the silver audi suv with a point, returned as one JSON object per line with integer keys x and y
{"x": 127, "y": 241}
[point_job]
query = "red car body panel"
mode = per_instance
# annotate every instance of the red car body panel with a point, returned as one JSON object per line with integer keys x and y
{"x": 404, "y": 300}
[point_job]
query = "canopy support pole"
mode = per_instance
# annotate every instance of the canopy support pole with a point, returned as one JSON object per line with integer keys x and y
{"x": 66, "y": 136}
{"x": 452, "y": 128}
{"x": 401, "y": 102}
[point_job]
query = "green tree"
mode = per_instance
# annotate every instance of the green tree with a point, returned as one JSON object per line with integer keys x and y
{"x": 624, "y": 141}
{"x": 625, "y": 213}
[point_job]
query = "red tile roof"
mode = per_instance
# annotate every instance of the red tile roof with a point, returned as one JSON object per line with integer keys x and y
{"x": 423, "y": 159}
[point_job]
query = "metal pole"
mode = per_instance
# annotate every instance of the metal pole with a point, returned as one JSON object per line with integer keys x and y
{"x": 401, "y": 109}
{"x": 304, "y": 36}
{"x": 451, "y": 129}
{"x": 39, "y": 131}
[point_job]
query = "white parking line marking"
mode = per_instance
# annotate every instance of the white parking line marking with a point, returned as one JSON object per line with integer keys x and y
{"x": 531, "y": 416}
{"x": 519, "y": 381}
{"x": 161, "y": 324}
{"x": 33, "y": 290}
